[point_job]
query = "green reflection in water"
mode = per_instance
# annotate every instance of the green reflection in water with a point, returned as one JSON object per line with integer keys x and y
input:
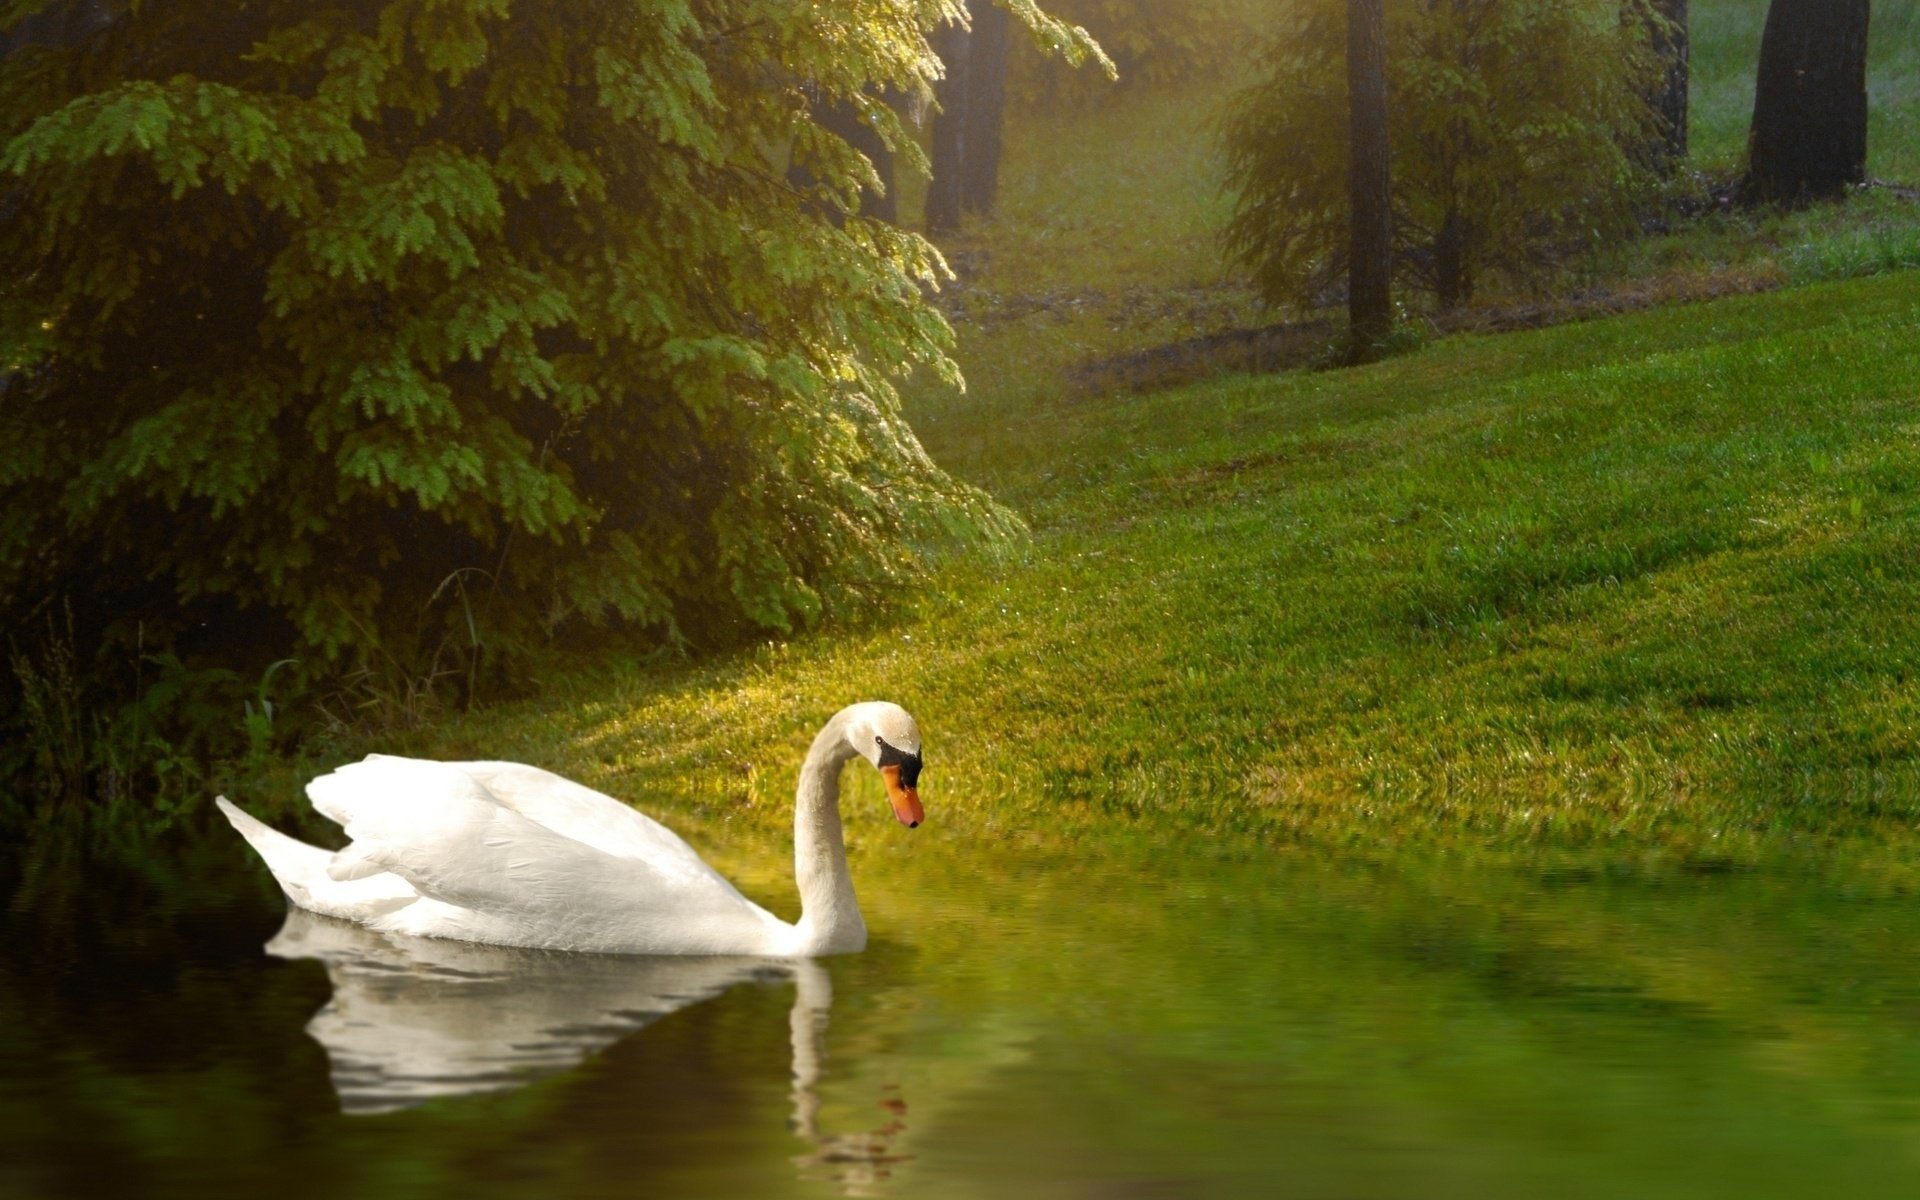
{"x": 1029, "y": 1022}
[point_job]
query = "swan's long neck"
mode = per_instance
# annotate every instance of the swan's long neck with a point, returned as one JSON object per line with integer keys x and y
{"x": 830, "y": 920}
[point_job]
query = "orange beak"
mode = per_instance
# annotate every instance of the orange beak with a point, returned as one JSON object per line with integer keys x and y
{"x": 906, "y": 800}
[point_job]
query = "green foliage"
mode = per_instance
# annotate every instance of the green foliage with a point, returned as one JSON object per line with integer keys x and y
{"x": 153, "y": 749}
{"x": 1514, "y": 127}
{"x": 1152, "y": 44}
{"x": 51, "y": 711}
{"x": 313, "y": 307}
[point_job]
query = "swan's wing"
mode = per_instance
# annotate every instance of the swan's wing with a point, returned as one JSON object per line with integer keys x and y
{"x": 590, "y": 818}
{"x": 303, "y": 873}
{"x": 505, "y": 878}
{"x": 439, "y": 829}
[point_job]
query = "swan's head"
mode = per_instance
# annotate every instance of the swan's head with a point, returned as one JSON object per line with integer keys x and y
{"x": 886, "y": 736}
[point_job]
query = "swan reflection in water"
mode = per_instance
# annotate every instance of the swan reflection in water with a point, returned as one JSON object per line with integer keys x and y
{"x": 417, "y": 1019}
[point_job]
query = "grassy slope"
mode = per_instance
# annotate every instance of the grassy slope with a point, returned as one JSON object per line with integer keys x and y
{"x": 1644, "y": 581}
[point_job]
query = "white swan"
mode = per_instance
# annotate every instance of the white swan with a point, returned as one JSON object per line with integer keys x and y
{"x": 515, "y": 856}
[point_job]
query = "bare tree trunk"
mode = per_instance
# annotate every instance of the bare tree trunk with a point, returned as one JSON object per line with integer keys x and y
{"x": 1452, "y": 277}
{"x": 1673, "y": 46}
{"x": 844, "y": 120}
{"x": 1809, "y": 135}
{"x": 986, "y": 106}
{"x": 1370, "y": 242}
{"x": 953, "y": 44}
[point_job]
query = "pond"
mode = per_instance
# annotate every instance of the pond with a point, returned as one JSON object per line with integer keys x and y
{"x": 1180, "y": 1020}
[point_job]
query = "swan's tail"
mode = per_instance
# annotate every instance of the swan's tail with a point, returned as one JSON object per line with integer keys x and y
{"x": 301, "y": 872}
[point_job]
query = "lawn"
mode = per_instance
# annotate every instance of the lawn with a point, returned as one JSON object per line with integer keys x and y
{"x": 1491, "y": 771}
{"x": 1645, "y": 583}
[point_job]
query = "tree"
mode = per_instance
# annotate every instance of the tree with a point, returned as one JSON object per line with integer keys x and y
{"x": 986, "y": 108}
{"x": 1672, "y": 46}
{"x": 1808, "y": 140}
{"x": 350, "y": 330}
{"x": 966, "y": 131}
{"x": 953, "y": 44}
{"x": 1515, "y": 125}
{"x": 847, "y": 121}
{"x": 1370, "y": 254}
{"x": 57, "y": 23}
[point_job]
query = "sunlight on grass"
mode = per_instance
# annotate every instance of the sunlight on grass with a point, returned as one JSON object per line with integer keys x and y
{"x": 1639, "y": 583}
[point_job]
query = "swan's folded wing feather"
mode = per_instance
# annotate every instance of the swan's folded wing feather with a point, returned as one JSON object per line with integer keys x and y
{"x": 440, "y": 830}
{"x": 437, "y": 827}
{"x": 304, "y": 873}
{"x": 591, "y": 818}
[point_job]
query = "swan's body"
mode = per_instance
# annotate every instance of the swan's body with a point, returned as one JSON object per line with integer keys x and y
{"x": 516, "y": 856}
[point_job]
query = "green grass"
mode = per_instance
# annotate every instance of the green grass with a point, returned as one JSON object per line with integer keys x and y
{"x": 1645, "y": 584}
{"x": 1106, "y": 242}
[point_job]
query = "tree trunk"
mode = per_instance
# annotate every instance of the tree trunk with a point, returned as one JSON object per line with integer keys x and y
{"x": 986, "y": 106}
{"x": 953, "y": 44}
{"x": 884, "y": 205}
{"x": 1669, "y": 99}
{"x": 1452, "y": 278}
{"x": 1370, "y": 242}
{"x": 844, "y": 120}
{"x": 1809, "y": 135}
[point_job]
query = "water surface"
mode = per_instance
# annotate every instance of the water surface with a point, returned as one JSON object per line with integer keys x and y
{"x": 1159, "y": 1021}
